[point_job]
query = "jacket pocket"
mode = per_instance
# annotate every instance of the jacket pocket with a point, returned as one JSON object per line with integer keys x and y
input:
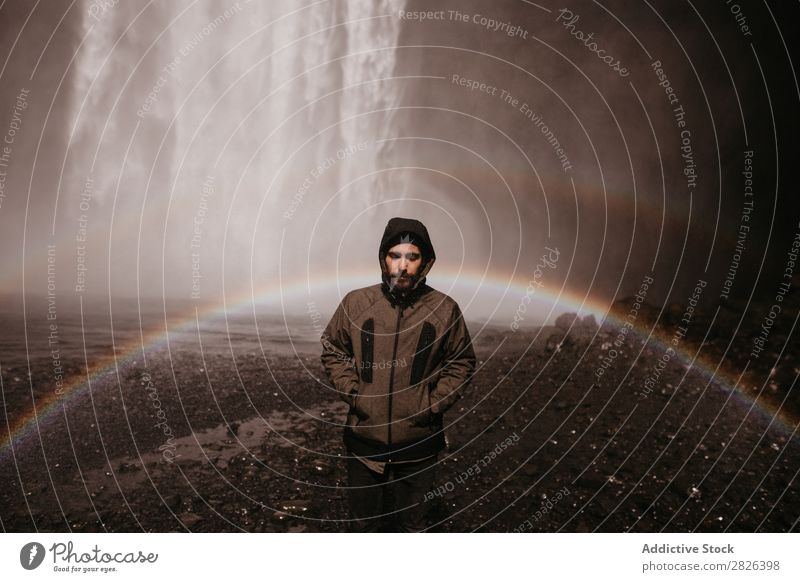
{"x": 358, "y": 407}
{"x": 417, "y": 409}
{"x": 428, "y": 412}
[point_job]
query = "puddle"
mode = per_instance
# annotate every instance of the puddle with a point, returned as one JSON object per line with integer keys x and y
{"x": 219, "y": 445}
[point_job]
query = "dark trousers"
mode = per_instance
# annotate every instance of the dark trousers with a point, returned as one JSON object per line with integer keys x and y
{"x": 394, "y": 501}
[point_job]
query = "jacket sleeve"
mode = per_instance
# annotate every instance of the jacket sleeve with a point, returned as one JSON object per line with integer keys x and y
{"x": 459, "y": 365}
{"x": 337, "y": 354}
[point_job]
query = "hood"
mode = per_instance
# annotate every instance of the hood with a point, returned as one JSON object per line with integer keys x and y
{"x": 396, "y": 231}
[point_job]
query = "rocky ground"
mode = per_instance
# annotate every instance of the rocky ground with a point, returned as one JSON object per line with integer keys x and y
{"x": 256, "y": 441}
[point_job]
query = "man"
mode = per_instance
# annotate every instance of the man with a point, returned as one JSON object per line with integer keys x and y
{"x": 400, "y": 355}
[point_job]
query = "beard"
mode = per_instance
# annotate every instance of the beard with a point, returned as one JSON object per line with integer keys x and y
{"x": 402, "y": 282}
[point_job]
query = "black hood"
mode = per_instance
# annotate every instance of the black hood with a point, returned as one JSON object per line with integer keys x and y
{"x": 411, "y": 231}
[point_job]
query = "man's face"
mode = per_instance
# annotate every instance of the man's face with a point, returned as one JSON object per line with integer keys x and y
{"x": 403, "y": 262}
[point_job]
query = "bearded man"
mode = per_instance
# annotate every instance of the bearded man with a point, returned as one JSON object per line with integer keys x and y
{"x": 400, "y": 355}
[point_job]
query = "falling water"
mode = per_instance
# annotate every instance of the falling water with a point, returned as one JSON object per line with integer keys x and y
{"x": 211, "y": 130}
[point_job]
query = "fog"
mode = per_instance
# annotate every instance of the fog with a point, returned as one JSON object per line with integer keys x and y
{"x": 240, "y": 153}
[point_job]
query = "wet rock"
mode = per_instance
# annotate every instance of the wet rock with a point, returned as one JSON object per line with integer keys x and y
{"x": 556, "y": 341}
{"x": 189, "y": 519}
{"x": 295, "y": 506}
{"x": 566, "y": 321}
{"x": 571, "y": 330}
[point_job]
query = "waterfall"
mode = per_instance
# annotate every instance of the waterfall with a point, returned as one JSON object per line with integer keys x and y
{"x": 214, "y": 129}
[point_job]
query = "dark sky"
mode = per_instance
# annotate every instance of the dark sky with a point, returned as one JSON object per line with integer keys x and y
{"x": 220, "y": 151}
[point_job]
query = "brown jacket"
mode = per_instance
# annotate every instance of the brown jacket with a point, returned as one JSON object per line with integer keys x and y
{"x": 399, "y": 363}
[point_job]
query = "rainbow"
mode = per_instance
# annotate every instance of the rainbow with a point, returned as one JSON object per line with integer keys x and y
{"x": 461, "y": 284}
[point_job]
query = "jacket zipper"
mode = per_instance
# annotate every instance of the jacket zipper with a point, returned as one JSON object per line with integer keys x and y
{"x": 391, "y": 379}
